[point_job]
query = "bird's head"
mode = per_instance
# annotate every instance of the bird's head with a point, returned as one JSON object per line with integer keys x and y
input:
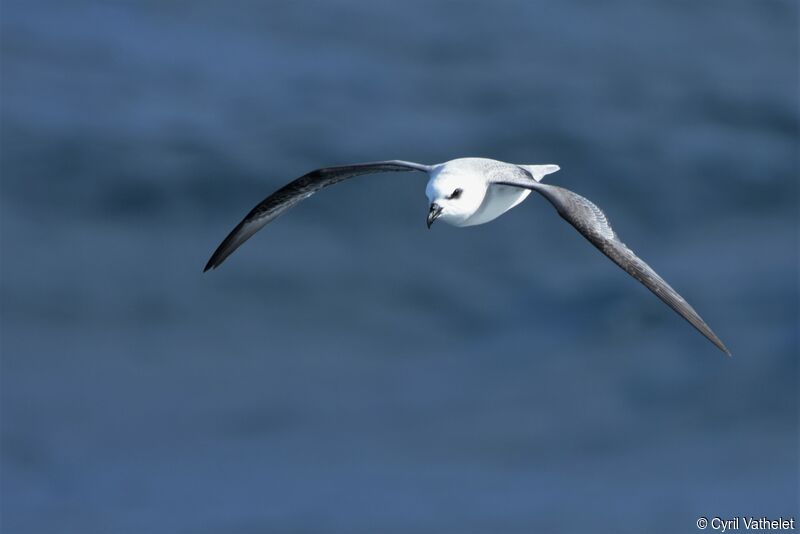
{"x": 454, "y": 197}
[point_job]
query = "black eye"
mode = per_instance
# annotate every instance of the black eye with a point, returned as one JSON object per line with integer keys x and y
{"x": 456, "y": 193}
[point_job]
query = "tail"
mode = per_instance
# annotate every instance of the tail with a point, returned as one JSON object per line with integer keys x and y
{"x": 540, "y": 171}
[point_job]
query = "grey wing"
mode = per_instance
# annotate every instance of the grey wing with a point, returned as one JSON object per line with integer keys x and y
{"x": 292, "y": 193}
{"x": 593, "y": 224}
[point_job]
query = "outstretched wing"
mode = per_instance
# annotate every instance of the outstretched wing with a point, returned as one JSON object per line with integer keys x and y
{"x": 300, "y": 189}
{"x": 593, "y": 224}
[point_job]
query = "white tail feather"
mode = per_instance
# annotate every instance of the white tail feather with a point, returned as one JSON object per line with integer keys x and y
{"x": 540, "y": 171}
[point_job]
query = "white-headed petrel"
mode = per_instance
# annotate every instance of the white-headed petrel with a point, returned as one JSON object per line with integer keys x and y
{"x": 470, "y": 191}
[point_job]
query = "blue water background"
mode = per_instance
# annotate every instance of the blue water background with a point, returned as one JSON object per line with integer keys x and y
{"x": 348, "y": 370}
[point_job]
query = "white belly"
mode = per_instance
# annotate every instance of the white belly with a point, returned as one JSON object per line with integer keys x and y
{"x": 498, "y": 200}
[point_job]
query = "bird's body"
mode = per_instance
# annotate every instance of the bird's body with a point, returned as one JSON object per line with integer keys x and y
{"x": 468, "y": 192}
{"x": 480, "y": 174}
{"x": 498, "y": 200}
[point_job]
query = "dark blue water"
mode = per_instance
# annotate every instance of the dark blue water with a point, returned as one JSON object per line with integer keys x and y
{"x": 349, "y": 371}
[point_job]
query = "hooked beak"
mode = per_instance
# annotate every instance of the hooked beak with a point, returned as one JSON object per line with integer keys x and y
{"x": 434, "y": 213}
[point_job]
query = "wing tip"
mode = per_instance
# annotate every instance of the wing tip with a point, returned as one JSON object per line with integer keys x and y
{"x": 210, "y": 265}
{"x": 712, "y": 337}
{"x": 231, "y": 242}
{"x": 219, "y": 255}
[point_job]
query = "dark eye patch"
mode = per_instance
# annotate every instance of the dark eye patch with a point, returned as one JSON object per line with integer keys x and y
{"x": 456, "y": 193}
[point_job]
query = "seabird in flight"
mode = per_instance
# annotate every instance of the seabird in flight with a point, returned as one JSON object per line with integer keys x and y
{"x": 470, "y": 191}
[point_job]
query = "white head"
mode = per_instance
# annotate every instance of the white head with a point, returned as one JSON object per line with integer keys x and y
{"x": 455, "y": 194}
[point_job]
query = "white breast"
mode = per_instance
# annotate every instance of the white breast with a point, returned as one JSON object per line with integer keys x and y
{"x": 498, "y": 200}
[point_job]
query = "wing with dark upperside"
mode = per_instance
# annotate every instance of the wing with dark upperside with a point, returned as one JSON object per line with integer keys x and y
{"x": 593, "y": 224}
{"x": 300, "y": 189}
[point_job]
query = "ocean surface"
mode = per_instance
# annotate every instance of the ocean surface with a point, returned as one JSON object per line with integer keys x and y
{"x": 348, "y": 370}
